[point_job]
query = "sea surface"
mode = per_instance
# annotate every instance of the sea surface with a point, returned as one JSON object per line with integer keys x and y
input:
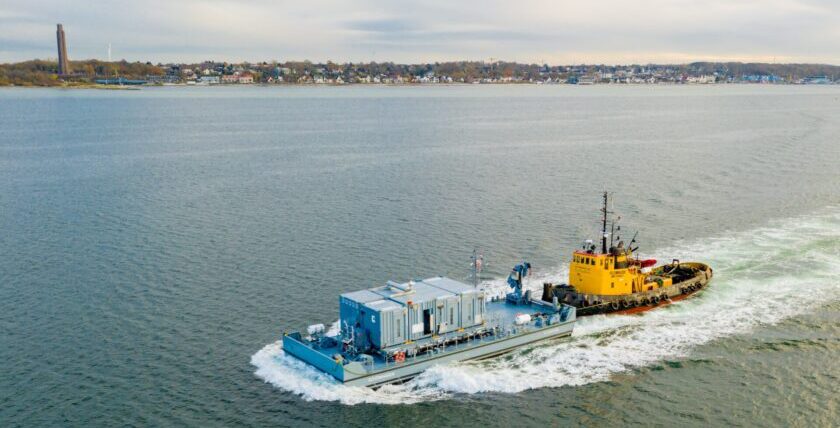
{"x": 155, "y": 244}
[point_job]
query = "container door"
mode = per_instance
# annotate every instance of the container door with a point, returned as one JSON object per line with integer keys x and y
{"x": 398, "y": 328}
{"x": 416, "y": 323}
{"x": 427, "y": 321}
{"x": 469, "y": 311}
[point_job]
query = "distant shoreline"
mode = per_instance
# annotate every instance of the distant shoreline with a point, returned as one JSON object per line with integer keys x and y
{"x": 398, "y": 85}
{"x": 91, "y": 72}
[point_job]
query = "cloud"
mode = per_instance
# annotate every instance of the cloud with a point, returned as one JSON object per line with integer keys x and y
{"x": 558, "y": 31}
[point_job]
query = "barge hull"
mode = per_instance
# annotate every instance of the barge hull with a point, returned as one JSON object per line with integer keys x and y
{"x": 355, "y": 374}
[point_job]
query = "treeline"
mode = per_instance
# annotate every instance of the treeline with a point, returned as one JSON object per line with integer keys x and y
{"x": 293, "y": 70}
{"x": 796, "y": 71}
{"x": 466, "y": 70}
{"x": 45, "y": 73}
{"x": 476, "y": 70}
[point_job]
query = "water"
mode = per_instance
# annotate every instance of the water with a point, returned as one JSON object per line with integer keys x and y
{"x": 156, "y": 243}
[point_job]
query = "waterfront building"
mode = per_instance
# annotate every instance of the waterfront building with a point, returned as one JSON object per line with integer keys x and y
{"x": 208, "y": 80}
{"x": 244, "y": 78}
{"x": 817, "y": 80}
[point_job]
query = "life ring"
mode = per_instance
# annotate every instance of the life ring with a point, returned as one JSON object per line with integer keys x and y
{"x": 690, "y": 288}
{"x": 614, "y": 306}
{"x": 666, "y": 298}
{"x": 698, "y": 285}
{"x": 655, "y": 300}
{"x": 645, "y": 301}
{"x": 625, "y": 304}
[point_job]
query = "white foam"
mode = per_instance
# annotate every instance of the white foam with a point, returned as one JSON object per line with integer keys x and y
{"x": 759, "y": 279}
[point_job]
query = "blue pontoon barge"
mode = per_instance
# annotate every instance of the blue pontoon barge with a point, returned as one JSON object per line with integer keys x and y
{"x": 392, "y": 333}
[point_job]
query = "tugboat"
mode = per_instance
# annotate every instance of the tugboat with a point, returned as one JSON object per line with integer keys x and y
{"x": 615, "y": 281}
{"x": 391, "y": 333}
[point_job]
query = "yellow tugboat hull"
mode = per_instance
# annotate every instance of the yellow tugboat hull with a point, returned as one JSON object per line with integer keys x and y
{"x": 686, "y": 279}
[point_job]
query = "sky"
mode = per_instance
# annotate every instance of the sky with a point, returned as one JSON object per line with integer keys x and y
{"x": 421, "y": 31}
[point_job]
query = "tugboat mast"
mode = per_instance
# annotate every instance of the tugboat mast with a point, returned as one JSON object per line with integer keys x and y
{"x": 604, "y": 229}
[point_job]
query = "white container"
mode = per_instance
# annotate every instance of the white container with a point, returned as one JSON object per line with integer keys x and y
{"x": 522, "y": 319}
{"x": 315, "y": 329}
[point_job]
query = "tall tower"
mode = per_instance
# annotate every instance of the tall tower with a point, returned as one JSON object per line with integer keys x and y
{"x": 63, "y": 65}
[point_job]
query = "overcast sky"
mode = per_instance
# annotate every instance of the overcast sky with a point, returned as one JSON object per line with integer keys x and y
{"x": 552, "y": 31}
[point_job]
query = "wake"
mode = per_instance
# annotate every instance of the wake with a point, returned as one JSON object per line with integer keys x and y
{"x": 759, "y": 280}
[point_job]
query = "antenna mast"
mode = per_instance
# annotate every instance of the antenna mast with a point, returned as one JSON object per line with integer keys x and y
{"x": 604, "y": 228}
{"x": 477, "y": 262}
